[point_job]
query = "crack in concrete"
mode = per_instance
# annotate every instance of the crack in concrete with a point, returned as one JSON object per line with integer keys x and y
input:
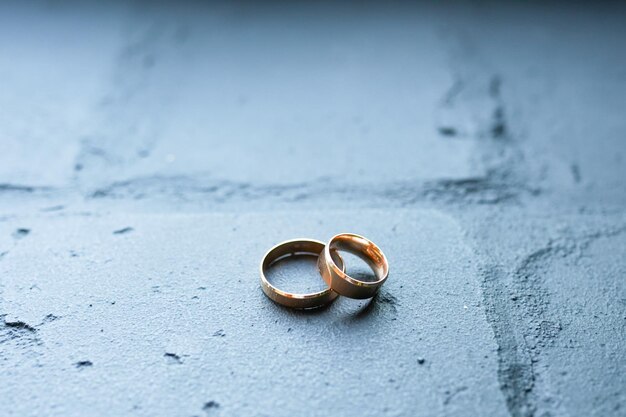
{"x": 172, "y": 358}
{"x": 516, "y": 303}
{"x": 83, "y": 364}
{"x": 18, "y": 333}
{"x": 491, "y": 189}
{"x": 522, "y": 323}
{"x": 19, "y": 325}
{"x": 473, "y": 190}
{"x": 22, "y": 188}
{"x": 515, "y": 372}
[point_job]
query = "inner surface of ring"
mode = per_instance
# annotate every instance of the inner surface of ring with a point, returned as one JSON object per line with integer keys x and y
{"x": 363, "y": 249}
{"x": 292, "y": 268}
{"x": 296, "y": 274}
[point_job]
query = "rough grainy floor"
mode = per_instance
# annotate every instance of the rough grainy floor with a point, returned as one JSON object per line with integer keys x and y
{"x": 150, "y": 155}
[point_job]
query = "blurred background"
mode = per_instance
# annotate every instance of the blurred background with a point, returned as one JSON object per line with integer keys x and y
{"x": 165, "y": 97}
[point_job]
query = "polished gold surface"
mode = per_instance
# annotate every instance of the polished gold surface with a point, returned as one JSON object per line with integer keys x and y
{"x": 290, "y": 248}
{"x": 335, "y": 275}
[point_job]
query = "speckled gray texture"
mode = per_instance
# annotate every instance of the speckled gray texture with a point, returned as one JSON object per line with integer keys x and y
{"x": 150, "y": 155}
{"x": 188, "y": 286}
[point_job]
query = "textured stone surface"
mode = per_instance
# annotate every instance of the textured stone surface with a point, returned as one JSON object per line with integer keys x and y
{"x": 150, "y": 155}
{"x": 170, "y": 316}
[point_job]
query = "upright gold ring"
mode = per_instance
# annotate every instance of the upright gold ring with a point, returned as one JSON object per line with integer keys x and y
{"x": 297, "y": 247}
{"x": 335, "y": 275}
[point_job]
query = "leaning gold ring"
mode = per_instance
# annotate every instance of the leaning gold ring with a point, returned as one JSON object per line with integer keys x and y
{"x": 297, "y": 247}
{"x": 335, "y": 275}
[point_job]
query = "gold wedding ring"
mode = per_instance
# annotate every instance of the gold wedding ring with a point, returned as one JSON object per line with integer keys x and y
{"x": 335, "y": 275}
{"x": 297, "y": 247}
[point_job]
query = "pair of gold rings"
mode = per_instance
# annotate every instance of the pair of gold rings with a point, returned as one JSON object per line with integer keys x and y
{"x": 331, "y": 267}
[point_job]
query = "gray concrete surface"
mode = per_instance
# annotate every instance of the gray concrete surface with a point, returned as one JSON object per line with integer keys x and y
{"x": 151, "y": 153}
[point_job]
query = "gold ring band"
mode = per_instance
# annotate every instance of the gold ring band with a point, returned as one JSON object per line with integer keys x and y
{"x": 335, "y": 275}
{"x": 297, "y": 247}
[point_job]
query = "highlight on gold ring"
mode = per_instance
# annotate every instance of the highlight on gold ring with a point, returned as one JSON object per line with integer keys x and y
{"x": 335, "y": 275}
{"x": 294, "y": 300}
